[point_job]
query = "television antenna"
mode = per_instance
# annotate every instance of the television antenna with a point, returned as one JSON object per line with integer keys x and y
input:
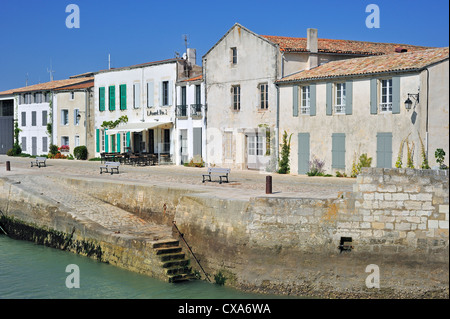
{"x": 51, "y": 71}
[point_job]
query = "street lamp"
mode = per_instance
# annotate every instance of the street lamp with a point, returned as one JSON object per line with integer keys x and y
{"x": 409, "y": 103}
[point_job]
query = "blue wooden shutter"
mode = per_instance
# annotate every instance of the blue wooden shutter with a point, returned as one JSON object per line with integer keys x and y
{"x": 118, "y": 142}
{"x": 329, "y": 93}
{"x": 303, "y": 153}
{"x": 373, "y": 96}
{"x": 123, "y": 96}
{"x": 295, "y": 100}
{"x": 112, "y": 98}
{"x": 349, "y": 97}
{"x": 106, "y": 142}
{"x": 128, "y": 139}
{"x": 396, "y": 95}
{"x": 312, "y": 101}
{"x": 338, "y": 150}
{"x": 101, "y": 93}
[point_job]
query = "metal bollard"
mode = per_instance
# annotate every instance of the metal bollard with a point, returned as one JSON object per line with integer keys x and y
{"x": 8, "y": 166}
{"x": 268, "y": 184}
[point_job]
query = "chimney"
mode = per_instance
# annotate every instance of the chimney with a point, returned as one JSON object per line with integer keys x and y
{"x": 313, "y": 47}
{"x": 191, "y": 56}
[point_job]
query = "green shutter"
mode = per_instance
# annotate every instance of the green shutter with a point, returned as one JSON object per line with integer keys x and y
{"x": 128, "y": 139}
{"x": 329, "y": 102}
{"x": 384, "y": 150}
{"x": 303, "y": 153}
{"x": 312, "y": 101}
{"x": 349, "y": 97}
{"x": 118, "y": 142}
{"x": 112, "y": 98}
{"x": 338, "y": 150}
{"x": 373, "y": 96}
{"x": 295, "y": 100}
{"x": 123, "y": 96}
{"x": 396, "y": 95}
{"x": 106, "y": 142}
{"x": 101, "y": 93}
{"x": 97, "y": 133}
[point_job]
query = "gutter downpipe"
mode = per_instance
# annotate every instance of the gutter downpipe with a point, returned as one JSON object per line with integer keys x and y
{"x": 426, "y": 122}
{"x": 277, "y": 124}
{"x": 206, "y": 109}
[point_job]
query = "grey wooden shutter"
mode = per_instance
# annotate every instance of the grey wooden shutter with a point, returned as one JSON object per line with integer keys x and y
{"x": 338, "y": 150}
{"x": 24, "y": 119}
{"x": 384, "y": 150}
{"x": 44, "y": 118}
{"x": 303, "y": 153}
{"x": 295, "y": 100}
{"x": 44, "y": 144}
{"x": 33, "y": 118}
{"x": 396, "y": 95}
{"x": 24, "y": 144}
{"x": 197, "y": 131}
{"x": 349, "y": 97}
{"x": 329, "y": 102}
{"x": 373, "y": 96}
{"x": 150, "y": 94}
{"x": 312, "y": 100}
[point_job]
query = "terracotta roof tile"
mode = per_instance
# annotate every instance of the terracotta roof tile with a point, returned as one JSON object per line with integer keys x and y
{"x": 47, "y": 86}
{"x": 196, "y": 78}
{"x": 408, "y": 61}
{"x": 290, "y": 44}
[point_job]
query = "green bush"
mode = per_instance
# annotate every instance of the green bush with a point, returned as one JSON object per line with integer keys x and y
{"x": 14, "y": 151}
{"x": 80, "y": 152}
{"x": 53, "y": 149}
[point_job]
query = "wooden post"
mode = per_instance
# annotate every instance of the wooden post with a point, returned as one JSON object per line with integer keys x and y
{"x": 268, "y": 184}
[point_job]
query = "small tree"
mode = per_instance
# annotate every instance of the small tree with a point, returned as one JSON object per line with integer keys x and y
{"x": 424, "y": 155}
{"x": 440, "y": 155}
{"x": 283, "y": 163}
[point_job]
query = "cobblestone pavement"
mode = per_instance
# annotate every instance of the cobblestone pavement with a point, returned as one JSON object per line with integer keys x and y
{"x": 251, "y": 183}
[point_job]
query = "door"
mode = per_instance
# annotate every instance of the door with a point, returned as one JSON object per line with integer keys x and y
{"x": 384, "y": 150}
{"x": 255, "y": 151}
{"x": 184, "y": 147}
{"x": 197, "y": 141}
{"x": 6, "y": 133}
{"x": 303, "y": 153}
{"x": 137, "y": 142}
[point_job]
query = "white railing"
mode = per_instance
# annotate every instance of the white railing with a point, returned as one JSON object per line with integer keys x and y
{"x": 386, "y": 107}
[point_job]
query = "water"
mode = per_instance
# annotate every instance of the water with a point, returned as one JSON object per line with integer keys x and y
{"x": 29, "y": 271}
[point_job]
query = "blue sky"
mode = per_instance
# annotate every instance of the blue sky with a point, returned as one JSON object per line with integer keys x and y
{"x": 34, "y": 32}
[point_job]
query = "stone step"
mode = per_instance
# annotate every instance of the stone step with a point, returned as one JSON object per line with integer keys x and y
{"x": 173, "y": 256}
{"x": 175, "y": 263}
{"x": 166, "y": 244}
{"x": 178, "y": 270}
{"x": 181, "y": 278}
{"x": 167, "y": 250}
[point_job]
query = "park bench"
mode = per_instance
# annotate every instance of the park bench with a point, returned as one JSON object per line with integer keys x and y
{"x": 111, "y": 166}
{"x": 38, "y": 161}
{"x": 222, "y": 172}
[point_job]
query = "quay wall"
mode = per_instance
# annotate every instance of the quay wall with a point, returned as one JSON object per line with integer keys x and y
{"x": 397, "y": 220}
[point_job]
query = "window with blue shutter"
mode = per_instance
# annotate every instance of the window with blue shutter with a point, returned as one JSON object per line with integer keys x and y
{"x": 295, "y": 100}
{"x": 101, "y": 102}
{"x": 384, "y": 150}
{"x": 97, "y": 133}
{"x": 373, "y": 96}
{"x": 123, "y": 96}
{"x": 329, "y": 96}
{"x": 338, "y": 150}
{"x": 312, "y": 100}
{"x": 349, "y": 97}
{"x": 396, "y": 95}
{"x": 112, "y": 98}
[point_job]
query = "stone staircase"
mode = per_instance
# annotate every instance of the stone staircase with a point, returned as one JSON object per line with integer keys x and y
{"x": 174, "y": 261}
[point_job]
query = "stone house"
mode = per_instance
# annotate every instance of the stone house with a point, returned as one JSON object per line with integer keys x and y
{"x": 240, "y": 74}
{"x": 34, "y": 107}
{"x": 74, "y": 117}
{"x": 342, "y": 109}
{"x": 191, "y": 120}
{"x": 145, "y": 94}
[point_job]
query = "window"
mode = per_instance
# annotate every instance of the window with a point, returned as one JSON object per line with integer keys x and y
{"x": 123, "y": 96}
{"x": 72, "y": 96}
{"x": 76, "y": 118}
{"x": 339, "y": 98}
{"x": 101, "y": 102}
{"x": 24, "y": 144}
{"x": 386, "y": 95}
{"x": 136, "y": 95}
{"x": 233, "y": 56}
{"x": 38, "y": 97}
{"x": 236, "y": 92}
{"x": 47, "y": 97}
{"x": 198, "y": 94}
{"x": 112, "y": 98}
{"x": 44, "y": 144}
{"x": 165, "y": 93}
{"x": 64, "y": 118}
{"x": 305, "y": 100}
{"x": 264, "y": 96}
{"x": 27, "y": 98}
{"x": 228, "y": 139}
{"x": 24, "y": 119}
{"x": 64, "y": 140}
{"x": 124, "y": 141}
{"x": 102, "y": 140}
{"x": 256, "y": 145}
{"x": 33, "y": 118}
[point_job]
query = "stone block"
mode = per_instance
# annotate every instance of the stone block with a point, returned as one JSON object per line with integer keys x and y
{"x": 386, "y": 188}
{"x": 367, "y": 188}
{"x": 443, "y": 209}
{"x": 377, "y": 225}
{"x": 433, "y": 224}
{"x": 443, "y": 224}
{"x": 403, "y": 226}
{"x": 400, "y": 196}
{"x": 413, "y": 205}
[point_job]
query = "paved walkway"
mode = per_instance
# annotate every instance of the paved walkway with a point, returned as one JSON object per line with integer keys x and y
{"x": 243, "y": 184}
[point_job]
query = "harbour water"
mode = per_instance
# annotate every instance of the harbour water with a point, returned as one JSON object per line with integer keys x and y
{"x": 30, "y": 271}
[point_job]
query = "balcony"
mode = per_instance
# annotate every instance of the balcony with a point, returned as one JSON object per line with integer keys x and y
{"x": 196, "y": 110}
{"x": 181, "y": 111}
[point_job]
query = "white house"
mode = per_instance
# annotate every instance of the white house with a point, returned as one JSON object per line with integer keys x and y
{"x": 240, "y": 74}
{"x": 342, "y": 109}
{"x": 191, "y": 120}
{"x": 146, "y": 95}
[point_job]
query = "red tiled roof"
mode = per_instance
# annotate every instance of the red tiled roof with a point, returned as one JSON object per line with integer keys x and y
{"x": 196, "y": 78}
{"x": 47, "y": 86}
{"x": 408, "y": 61}
{"x": 290, "y": 44}
{"x": 89, "y": 84}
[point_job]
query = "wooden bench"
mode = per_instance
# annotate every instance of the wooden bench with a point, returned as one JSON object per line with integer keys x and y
{"x": 38, "y": 161}
{"x": 222, "y": 172}
{"x": 111, "y": 166}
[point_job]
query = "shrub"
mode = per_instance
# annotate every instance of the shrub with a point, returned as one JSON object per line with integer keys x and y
{"x": 15, "y": 150}
{"x": 316, "y": 167}
{"x": 283, "y": 163}
{"x": 440, "y": 155}
{"x": 80, "y": 152}
{"x": 53, "y": 149}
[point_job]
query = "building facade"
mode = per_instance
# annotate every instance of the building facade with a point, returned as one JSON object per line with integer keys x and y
{"x": 343, "y": 109}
